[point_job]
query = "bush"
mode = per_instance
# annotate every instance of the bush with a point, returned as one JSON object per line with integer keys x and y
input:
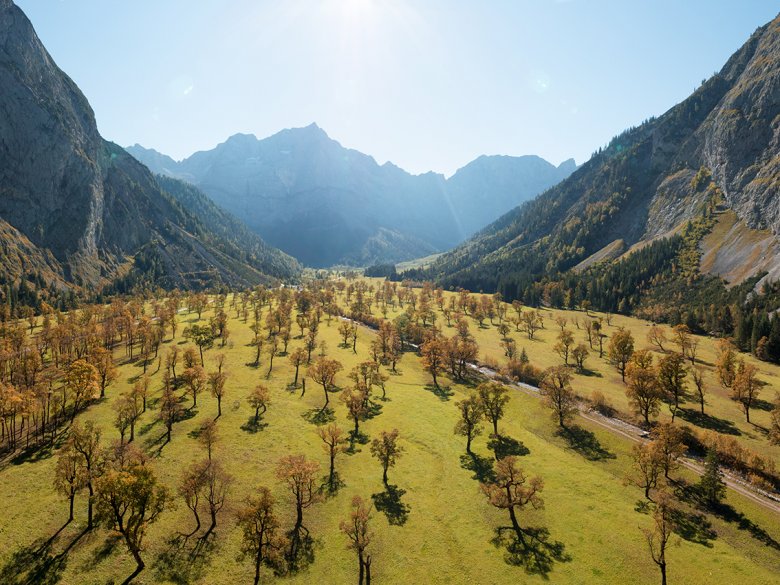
{"x": 601, "y": 404}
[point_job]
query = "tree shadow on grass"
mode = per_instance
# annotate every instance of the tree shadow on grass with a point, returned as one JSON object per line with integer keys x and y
{"x": 38, "y": 452}
{"x": 304, "y": 551}
{"x": 319, "y": 416}
{"x": 443, "y": 393}
{"x": 585, "y": 443}
{"x": 358, "y": 438}
{"x": 504, "y": 446}
{"x": 532, "y": 549}
{"x": 329, "y": 489}
{"x": 254, "y": 425}
{"x": 102, "y": 552}
{"x": 694, "y": 527}
{"x": 389, "y": 503}
{"x": 707, "y": 421}
{"x": 34, "y": 564}
{"x": 481, "y": 466}
{"x": 691, "y": 494}
{"x": 181, "y": 562}
{"x": 761, "y": 404}
{"x": 374, "y": 410}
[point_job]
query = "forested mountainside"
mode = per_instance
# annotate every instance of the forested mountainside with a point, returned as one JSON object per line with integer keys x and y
{"x": 709, "y": 165}
{"x": 77, "y": 211}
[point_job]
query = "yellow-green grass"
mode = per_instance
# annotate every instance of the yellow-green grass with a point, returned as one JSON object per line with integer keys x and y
{"x": 601, "y": 376}
{"x": 447, "y": 538}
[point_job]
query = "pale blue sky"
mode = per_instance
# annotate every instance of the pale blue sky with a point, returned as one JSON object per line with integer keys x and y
{"x": 427, "y": 84}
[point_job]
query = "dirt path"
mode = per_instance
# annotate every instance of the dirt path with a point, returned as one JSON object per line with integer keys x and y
{"x": 634, "y": 433}
{"x": 637, "y": 434}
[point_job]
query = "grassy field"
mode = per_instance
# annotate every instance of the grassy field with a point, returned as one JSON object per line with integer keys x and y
{"x": 442, "y": 526}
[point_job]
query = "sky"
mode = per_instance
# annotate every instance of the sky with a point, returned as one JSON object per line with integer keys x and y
{"x": 426, "y": 84}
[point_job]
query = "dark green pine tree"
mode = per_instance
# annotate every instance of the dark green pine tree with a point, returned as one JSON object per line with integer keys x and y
{"x": 711, "y": 485}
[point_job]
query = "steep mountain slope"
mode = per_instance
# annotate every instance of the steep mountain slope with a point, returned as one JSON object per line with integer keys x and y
{"x": 718, "y": 149}
{"x": 489, "y": 186}
{"x": 326, "y": 204}
{"x": 80, "y": 206}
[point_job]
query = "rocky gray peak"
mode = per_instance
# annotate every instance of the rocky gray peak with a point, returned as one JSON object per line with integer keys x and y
{"x": 326, "y": 204}
{"x": 80, "y": 198}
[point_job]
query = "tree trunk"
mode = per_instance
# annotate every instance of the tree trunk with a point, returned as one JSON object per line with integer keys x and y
{"x": 361, "y": 571}
{"x": 70, "y": 515}
{"x": 663, "y": 572}
{"x": 368, "y": 569}
{"x": 258, "y": 562}
{"x": 384, "y": 474}
{"x": 219, "y": 406}
{"x": 90, "y": 503}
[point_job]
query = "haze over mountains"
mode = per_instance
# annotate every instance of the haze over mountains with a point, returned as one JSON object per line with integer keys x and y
{"x": 79, "y": 210}
{"x": 325, "y": 204}
{"x": 714, "y": 155}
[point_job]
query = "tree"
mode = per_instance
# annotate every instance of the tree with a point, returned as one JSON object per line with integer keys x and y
{"x": 191, "y": 488}
{"x": 642, "y": 385}
{"x": 103, "y": 361}
{"x": 387, "y": 450}
{"x": 216, "y": 483}
{"x": 260, "y": 531}
{"x": 126, "y": 413}
{"x": 298, "y": 474}
{"x": 493, "y": 397}
{"x": 259, "y": 398}
{"x": 208, "y": 436}
{"x": 658, "y": 538}
{"x": 297, "y": 358}
{"x": 471, "y": 414}
{"x": 333, "y": 438}
{"x": 323, "y": 371}
{"x": 82, "y": 380}
{"x": 657, "y": 337}
{"x": 726, "y": 365}
{"x": 671, "y": 380}
{"x": 273, "y": 350}
{"x": 195, "y": 378}
{"x": 434, "y": 352}
{"x": 359, "y": 534}
{"x": 580, "y": 354}
{"x": 711, "y": 486}
{"x": 129, "y": 500}
{"x": 620, "y": 350}
{"x": 170, "y": 410}
{"x": 202, "y": 336}
{"x": 217, "y": 384}
{"x": 513, "y": 491}
{"x": 774, "y": 426}
{"x": 646, "y": 467}
{"x": 697, "y": 374}
{"x": 668, "y": 441}
{"x": 85, "y": 440}
{"x": 556, "y": 388}
{"x": 745, "y": 387}
{"x": 356, "y": 401}
{"x": 564, "y": 345}
{"x": 69, "y": 477}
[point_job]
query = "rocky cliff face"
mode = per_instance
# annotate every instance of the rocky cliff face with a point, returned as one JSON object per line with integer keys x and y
{"x": 721, "y": 146}
{"x": 75, "y": 197}
{"x": 326, "y": 204}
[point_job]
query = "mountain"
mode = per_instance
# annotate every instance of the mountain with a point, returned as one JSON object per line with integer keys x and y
{"x": 78, "y": 209}
{"x": 326, "y": 204}
{"x": 704, "y": 177}
{"x": 489, "y": 186}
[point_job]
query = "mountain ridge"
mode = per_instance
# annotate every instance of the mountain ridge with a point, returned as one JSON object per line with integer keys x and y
{"x": 720, "y": 147}
{"x": 273, "y": 184}
{"x": 83, "y": 205}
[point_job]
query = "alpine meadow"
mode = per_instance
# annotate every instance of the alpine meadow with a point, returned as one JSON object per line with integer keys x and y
{"x": 281, "y": 360}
